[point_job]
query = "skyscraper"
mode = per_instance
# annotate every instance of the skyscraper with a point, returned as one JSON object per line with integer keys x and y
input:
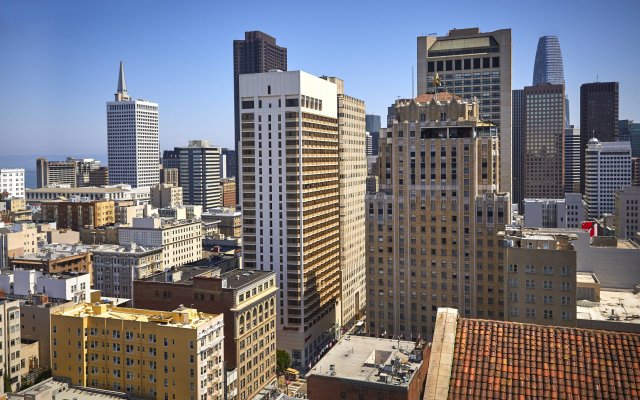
{"x": 548, "y": 66}
{"x": 433, "y": 227}
{"x": 373, "y": 127}
{"x": 353, "y": 175}
{"x": 608, "y": 169}
{"x": 258, "y": 52}
{"x": 476, "y": 64}
{"x": 133, "y": 139}
{"x": 199, "y": 173}
{"x": 290, "y": 196}
{"x": 517, "y": 139}
{"x": 571, "y": 159}
{"x": 543, "y": 170}
{"x": 598, "y": 117}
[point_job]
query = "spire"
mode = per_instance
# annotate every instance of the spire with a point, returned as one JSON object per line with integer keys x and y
{"x": 121, "y": 94}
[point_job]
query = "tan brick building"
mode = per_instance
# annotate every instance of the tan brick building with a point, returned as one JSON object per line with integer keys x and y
{"x": 248, "y": 301}
{"x": 541, "y": 277}
{"x": 432, "y": 228}
{"x": 77, "y": 214}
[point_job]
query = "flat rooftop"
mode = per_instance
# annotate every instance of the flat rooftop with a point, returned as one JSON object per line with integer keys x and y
{"x": 618, "y": 306}
{"x": 62, "y": 390}
{"x": 240, "y": 278}
{"x": 368, "y": 359}
{"x": 586, "y": 277}
{"x": 54, "y": 251}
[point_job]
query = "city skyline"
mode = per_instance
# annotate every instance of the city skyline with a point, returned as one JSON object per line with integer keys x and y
{"x": 65, "y": 49}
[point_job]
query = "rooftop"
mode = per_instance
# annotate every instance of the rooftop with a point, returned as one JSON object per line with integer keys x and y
{"x": 184, "y": 274}
{"x": 240, "y": 278}
{"x": 619, "y": 306}
{"x": 182, "y": 317}
{"x": 62, "y": 391}
{"x": 441, "y": 96}
{"x": 496, "y": 359}
{"x": 375, "y": 360}
{"x": 586, "y": 277}
{"x": 55, "y": 251}
{"x": 131, "y": 248}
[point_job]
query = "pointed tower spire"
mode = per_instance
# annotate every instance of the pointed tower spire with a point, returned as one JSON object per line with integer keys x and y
{"x": 121, "y": 94}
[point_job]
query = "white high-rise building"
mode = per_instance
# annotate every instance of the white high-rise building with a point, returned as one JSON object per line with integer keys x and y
{"x": 608, "y": 168}
{"x": 12, "y": 181}
{"x": 133, "y": 139}
{"x": 368, "y": 144}
{"x": 290, "y": 196}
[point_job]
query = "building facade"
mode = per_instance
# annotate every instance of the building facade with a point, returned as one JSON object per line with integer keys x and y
{"x": 599, "y": 102}
{"x": 432, "y": 229}
{"x": 114, "y": 192}
{"x": 12, "y": 182}
{"x": 517, "y": 153}
{"x": 179, "y": 353}
{"x": 77, "y": 214}
{"x": 229, "y": 192}
{"x": 166, "y": 195}
{"x": 544, "y": 125}
{"x": 571, "y": 159}
{"x": 541, "y": 278}
{"x": 258, "y": 52}
{"x": 353, "y": 175}
{"x": 115, "y": 268}
{"x": 290, "y": 194}
{"x": 472, "y": 64}
{"x": 247, "y": 299}
{"x": 568, "y": 212}
{"x": 200, "y": 174}
{"x": 133, "y": 139}
{"x": 608, "y": 168}
{"x": 10, "y": 338}
{"x": 548, "y": 64}
{"x": 180, "y": 240}
{"x": 55, "y": 259}
{"x": 627, "y": 213}
{"x": 170, "y": 176}
{"x": 51, "y": 173}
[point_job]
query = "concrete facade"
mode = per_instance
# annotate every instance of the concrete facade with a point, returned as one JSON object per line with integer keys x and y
{"x": 77, "y": 214}
{"x": 166, "y": 195}
{"x": 540, "y": 277}
{"x": 12, "y": 182}
{"x": 290, "y": 198}
{"x": 626, "y": 212}
{"x": 432, "y": 229}
{"x": 474, "y": 64}
{"x": 608, "y": 169}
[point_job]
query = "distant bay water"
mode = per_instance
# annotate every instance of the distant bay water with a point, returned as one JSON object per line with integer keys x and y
{"x": 28, "y": 162}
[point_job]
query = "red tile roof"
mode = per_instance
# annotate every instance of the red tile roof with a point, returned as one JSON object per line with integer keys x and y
{"x": 507, "y": 360}
{"x": 442, "y": 97}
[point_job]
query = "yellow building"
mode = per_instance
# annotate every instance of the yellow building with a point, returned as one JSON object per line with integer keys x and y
{"x": 149, "y": 354}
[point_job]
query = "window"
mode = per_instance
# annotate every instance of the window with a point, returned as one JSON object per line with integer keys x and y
{"x": 530, "y": 284}
{"x": 548, "y": 284}
{"x": 565, "y": 271}
{"x": 548, "y": 270}
{"x": 566, "y": 300}
{"x": 566, "y": 285}
{"x": 566, "y": 315}
{"x": 513, "y": 267}
{"x": 530, "y": 269}
{"x": 513, "y": 282}
{"x": 291, "y": 102}
{"x": 247, "y": 104}
{"x": 531, "y": 313}
{"x": 548, "y": 299}
{"x": 531, "y": 298}
{"x": 548, "y": 314}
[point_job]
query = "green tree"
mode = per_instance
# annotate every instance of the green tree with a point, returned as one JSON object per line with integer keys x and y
{"x": 283, "y": 361}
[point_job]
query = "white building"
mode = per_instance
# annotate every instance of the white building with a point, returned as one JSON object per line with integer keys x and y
{"x": 12, "y": 181}
{"x": 368, "y": 144}
{"x": 608, "y": 168}
{"x": 133, "y": 139}
{"x": 290, "y": 197}
{"x": 627, "y": 212}
{"x": 112, "y": 192}
{"x": 65, "y": 286}
{"x": 116, "y": 267}
{"x": 181, "y": 240}
{"x": 555, "y": 213}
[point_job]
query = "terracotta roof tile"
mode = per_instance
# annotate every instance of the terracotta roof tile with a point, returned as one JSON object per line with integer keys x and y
{"x": 494, "y": 359}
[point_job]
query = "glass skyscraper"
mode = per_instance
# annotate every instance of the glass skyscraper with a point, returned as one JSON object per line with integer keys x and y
{"x": 548, "y": 67}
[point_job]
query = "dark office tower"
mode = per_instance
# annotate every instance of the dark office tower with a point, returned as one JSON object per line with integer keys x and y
{"x": 171, "y": 159}
{"x": 517, "y": 131}
{"x": 474, "y": 64}
{"x": 228, "y": 163}
{"x": 548, "y": 66}
{"x": 373, "y": 125}
{"x": 258, "y": 52}
{"x": 543, "y": 141}
{"x": 598, "y": 117}
{"x": 624, "y": 130}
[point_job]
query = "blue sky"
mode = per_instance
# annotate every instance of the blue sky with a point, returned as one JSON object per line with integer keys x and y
{"x": 59, "y": 59}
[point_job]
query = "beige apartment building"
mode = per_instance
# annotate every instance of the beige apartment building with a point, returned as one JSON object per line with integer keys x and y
{"x": 290, "y": 194}
{"x": 432, "y": 229}
{"x": 180, "y": 240}
{"x": 248, "y": 301}
{"x": 77, "y": 214}
{"x": 148, "y": 354}
{"x": 627, "y": 212}
{"x": 353, "y": 175}
{"x": 166, "y": 195}
{"x": 540, "y": 277}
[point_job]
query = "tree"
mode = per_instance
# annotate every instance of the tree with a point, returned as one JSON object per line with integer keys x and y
{"x": 283, "y": 361}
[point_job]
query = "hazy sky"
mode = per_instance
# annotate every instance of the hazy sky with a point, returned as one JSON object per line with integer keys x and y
{"x": 59, "y": 59}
